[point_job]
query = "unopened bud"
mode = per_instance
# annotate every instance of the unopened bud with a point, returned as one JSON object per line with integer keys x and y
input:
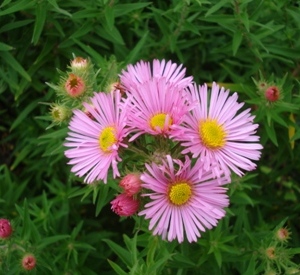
{"x": 79, "y": 63}
{"x": 270, "y": 253}
{"x": 282, "y": 234}
{"x": 74, "y": 85}
{"x": 28, "y": 262}
{"x": 131, "y": 184}
{"x": 60, "y": 113}
{"x": 272, "y": 93}
{"x": 124, "y": 205}
{"x": 5, "y": 229}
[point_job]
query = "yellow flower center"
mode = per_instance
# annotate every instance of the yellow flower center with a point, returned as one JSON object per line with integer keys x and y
{"x": 212, "y": 134}
{"x": 159, "y": 121}
{"x": 107, "y": 139}
{"x": 180, "y": 193}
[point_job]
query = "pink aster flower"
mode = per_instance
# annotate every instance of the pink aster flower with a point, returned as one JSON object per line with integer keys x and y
{"x": 95, "y": 141}
{"x": 124, "y": 205}
{"x": 219, "y": 133}
{"x": 143, "y": 71}
{"x": 154, "y": 107}
{"x": 181, "y": 204}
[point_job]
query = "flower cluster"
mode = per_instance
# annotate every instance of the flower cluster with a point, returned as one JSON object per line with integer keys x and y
{"x": 183, "y": 140}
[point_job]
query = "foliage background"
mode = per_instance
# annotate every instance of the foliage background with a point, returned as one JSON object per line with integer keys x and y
{"x": 69, "y": 226}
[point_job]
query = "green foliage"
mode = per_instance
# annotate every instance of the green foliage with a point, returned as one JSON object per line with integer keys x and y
{"x": 69, "y": 227}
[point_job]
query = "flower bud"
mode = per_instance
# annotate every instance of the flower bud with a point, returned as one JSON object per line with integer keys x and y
{"x": 272, "y": 93}
{"x": 131, "y": 184}
{"x": 282, "y": 234}
{"x": 270, "y": 253}
{"x": 124, "y": 205}
{"x": 28, "y": 262}
{"x": 5, "y": 229}
{"x": 74, "y": 85}
{"x": 60, "y": 113}
{"x": 79, "y": 63}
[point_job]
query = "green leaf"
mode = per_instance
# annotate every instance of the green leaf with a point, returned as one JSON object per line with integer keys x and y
{"x": 109, "y": 17}
{"x": 216, "y": 7}
{"x": 102, "y": 198}
{"x": 17, "y": 6}
{"x": 24, "y": 113}
{"x": 122, "y": 253}
{"x": 15, "y": 25}
{"x": 218, "y": 256}
{"x": 5, "y": 47}
{"x": 271, "y": 133}
{"x": 58, "y": 9}
{"x": 11, "y": 61}
{"x": 122, "y": 9}
{"x": 117, "y": 268}
{"x": 236, "y": 41}
{"x": 134, "y": 53}
{"x": 251, "y": 267}
{"x": 21, "y": 156}
{"x": 5, "y": 2}
{"x": 83, "y": 30}
{"x": 41, "y": 14}
{"x": 50, "y": 240}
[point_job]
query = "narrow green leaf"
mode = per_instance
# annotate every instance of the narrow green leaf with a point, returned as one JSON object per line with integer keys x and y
{"x": 123, "y": 254}
{"x": 134, "y": 53}
{"x": 109, "y": 17}
{"x": 102, "y": 199}
{"x": 11, "y": 61}
{"x": 5, "y": 2}
{"x": 216, "y": 7}
{"x": 123, "y": 9}
{"x": 41, "y": 13}
{"x": 83, "y": 30}
{"x": 21, "y": 156}
{"x": 236, "y": 41}
{"x": 117, "y": 268}
{"x": 218, "y": 256}
{"x": 58, "y": 9}
{"x": 86, "y": 13}
{"x": 271, "y": 133}
{"x": 5, "y": 47}
{"x": 24, "y": 113}
{"x": 50, "y": 240}
{"x": 17, "y": 6}
{"x": 15, "y": 25}
{"x": 251, "y": 267}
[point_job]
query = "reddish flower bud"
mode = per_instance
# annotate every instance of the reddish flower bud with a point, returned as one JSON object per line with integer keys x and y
{"x": 124, "y": 205}
{"x": 272, "y": 93}
{"x": 28, "y": 262}
{"x": 282, "y": 234}
{"x": 74, "y": 85}
{"x": 131, "y": 184}
{"x": 5, "y": 229}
